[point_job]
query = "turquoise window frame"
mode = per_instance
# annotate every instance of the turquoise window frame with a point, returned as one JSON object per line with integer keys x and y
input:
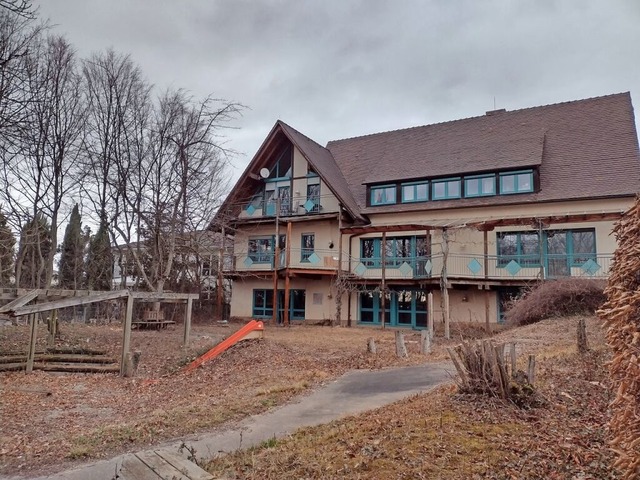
{"x": 392, "y": 258}
{"x": 417, "y": 313}
{"x": 306, "y": 252}
{"x": 374, "y": 190}
{"x": 414, "y": 186}
{"x": 263, "y": 311}
{"x": 447, "y": 195}
{"x": 531, "y": 260}
{"x": 516, "y": 184}
{"x": 481, "y": 192}
{"x": 259, "y": 256}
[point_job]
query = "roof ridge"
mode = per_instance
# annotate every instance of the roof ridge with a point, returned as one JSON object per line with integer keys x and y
{"x": 300, "y": 133}
{"x": 506, "y": 112}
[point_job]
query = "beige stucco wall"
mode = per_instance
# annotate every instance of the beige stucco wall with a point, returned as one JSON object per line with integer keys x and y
{"x": 242, "y": 298}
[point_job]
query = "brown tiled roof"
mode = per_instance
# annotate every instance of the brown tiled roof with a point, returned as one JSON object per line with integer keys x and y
{"x": 584, "y": 149}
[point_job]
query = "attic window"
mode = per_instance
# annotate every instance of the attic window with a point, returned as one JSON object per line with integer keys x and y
{"x": 282, "y": 167}
{"x": 383, "y": 195}
{"x": 516, "y": 182}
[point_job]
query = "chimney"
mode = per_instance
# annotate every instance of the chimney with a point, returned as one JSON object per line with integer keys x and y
{"x": 496, "y": 112}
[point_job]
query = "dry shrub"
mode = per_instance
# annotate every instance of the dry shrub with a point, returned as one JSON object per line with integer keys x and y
{"x": 621, "y": 313}
{"x": 557, "y": 298}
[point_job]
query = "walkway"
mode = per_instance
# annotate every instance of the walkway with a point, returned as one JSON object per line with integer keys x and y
{"x": 354, "y": 392}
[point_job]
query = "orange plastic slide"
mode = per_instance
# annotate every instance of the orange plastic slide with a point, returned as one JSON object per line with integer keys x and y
{"x": 250, "y": 327}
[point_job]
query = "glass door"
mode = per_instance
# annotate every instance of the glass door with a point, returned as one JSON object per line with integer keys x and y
{"x": 557, "y": 258}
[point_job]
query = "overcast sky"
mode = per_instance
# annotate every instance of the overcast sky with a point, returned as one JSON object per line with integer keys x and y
{"x": 341, "y": 68}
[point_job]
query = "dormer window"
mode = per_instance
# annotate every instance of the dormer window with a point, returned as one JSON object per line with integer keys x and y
{"x": 516, "y": 182}
{"x": 445, "y": 189}
{"x": 383, "y": 195}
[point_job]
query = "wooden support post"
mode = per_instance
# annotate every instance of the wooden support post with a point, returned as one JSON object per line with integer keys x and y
{"x": 430, "y": 314}
{"x": 33, "y": 318}
{"x": 383, "y": 284}
{"x": 425, "y": 342}
{"x": 276, "y": 261}
{"x": 126, "y": 338}
{"x": 287, "y": 286}
{"x": 401, "y": 348}
{"x": 187, "y": 322}
{"x": 447, "y": 329}
{"x": 220, "y": 289}
{"x": 583, "y": 345}
{"x": 485, "y": 246}
{"x": 513, "y": 360}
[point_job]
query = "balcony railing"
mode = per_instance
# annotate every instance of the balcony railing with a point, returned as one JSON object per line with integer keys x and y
{"x": 489, "y": 267}
{"x": 462, "y": 266}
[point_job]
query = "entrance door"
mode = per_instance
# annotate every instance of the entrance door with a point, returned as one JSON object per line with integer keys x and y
{"x": 557, "y": 257}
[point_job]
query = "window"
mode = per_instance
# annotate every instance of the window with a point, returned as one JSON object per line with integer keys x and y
{"x": 583, "y": 245}
{"x": 445, "y": 189}
{"x": 297, "y": 300}
{"x": 313, "y": 197}
{"x": 384, "y": 195}
{"x": 523, "y": 247}
{"x": 261, "y": 250}
{"x": 269, "y": 202}
{"x": 206, "y": 268}
{"x": 282, "y": 167}
{"x": 516, "y": 182}
{"x": 480, "y": 186}
{"x": 308, "y": 242}
{"x": 398, "y": 250}
{"x": 415, "y": 192}
{"x": 262, "y": 303}
{"x": 255, "y": 203}
{"x": 284, "y": 194}
{"x": 404, "y": 308}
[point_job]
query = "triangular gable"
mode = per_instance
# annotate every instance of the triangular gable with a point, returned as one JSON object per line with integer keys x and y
{"x": 319, "y": 158}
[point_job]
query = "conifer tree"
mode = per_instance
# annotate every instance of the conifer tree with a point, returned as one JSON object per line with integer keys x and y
{"x": 71, "y": 273}
{"x": 99, "y": 265}
{"x": 7, "y": 250}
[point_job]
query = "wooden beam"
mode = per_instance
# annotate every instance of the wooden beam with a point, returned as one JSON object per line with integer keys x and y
{"x": 287, "y": 293}
{"x": 163, "y": 297}
{"x": 32, "y": 342}
{"x": 68, "y": 302}
{"x": 20, "y": 301}
{"x": 126, "y": 336}
{"x": 187, "y": 322}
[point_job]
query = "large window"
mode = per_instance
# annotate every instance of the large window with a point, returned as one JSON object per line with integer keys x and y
{"x": 406, "y": 308}
{"x": 561, "y": 249}
{"x": 282, "y": 167}
{"x": 523, "y": 247}
{"x": 413, "y": 250}
{"x": 384, "y": 195}
{"x": 262, "y": 303}
{"x": 261, "y": 249}
{"x": 516, "y": 182}
{"x": 445, "y": 189}
{"x": 415, "y": 192}
{"x": 480, "y": 186}
{"x": 308, "y": 244}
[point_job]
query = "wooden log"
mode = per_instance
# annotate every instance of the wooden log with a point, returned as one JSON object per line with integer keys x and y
{"x": 513, "y": 360}
{"x": 77, "y": 368}
{"x": 32, "y": 342}
{"x": 371, "y": 346}
{"x": 462, "y": 372}
{"x": 425, "y": 342}
{"x": 54, "y": 357}
{"x": 401, "y": 348}
{"x": 531, "y": 370}
{"x": 583, "y": 345}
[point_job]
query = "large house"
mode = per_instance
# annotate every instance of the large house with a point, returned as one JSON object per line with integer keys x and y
{"x": 469, "y": 211}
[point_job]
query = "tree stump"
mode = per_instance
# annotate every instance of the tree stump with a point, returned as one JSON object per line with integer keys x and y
{"x": 583, "y": 346}
{"x": 371, "y": 346}
{"x": 401, "y": 348}
{"x": 425, "y": 342}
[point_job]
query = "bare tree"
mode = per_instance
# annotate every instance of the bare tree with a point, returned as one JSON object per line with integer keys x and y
{"x": 22, "y": 8}
{"x": 178, "y": 183}
{"x": 37, "y": 176}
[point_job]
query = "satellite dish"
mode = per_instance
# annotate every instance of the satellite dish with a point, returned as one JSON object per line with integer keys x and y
{"x": 264, "y": 172}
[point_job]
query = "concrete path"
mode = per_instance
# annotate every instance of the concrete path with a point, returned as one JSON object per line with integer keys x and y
{"x": 354, "y": 392}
